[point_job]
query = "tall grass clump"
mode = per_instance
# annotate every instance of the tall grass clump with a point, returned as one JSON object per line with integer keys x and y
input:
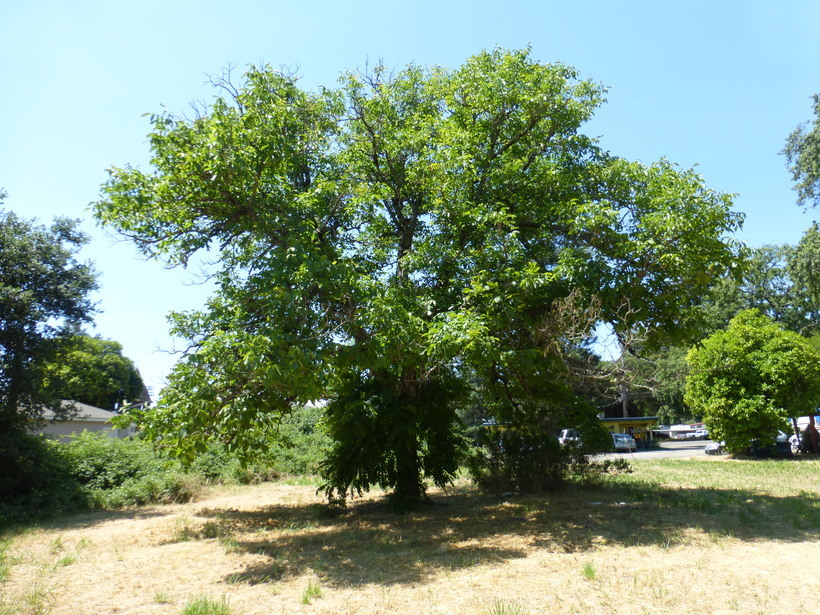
{"x": 312, "y": 591}
{"x": 203, "y": 605}
{"x": 505, "y": 607}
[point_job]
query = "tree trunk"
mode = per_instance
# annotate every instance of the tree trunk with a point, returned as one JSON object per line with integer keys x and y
{"x": 408, "y": 489}
{"x": 408, "y": 475}
{"x": 625, "y": 398}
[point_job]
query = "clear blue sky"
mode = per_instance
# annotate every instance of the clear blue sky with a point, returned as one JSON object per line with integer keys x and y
{"x": 717, "y": 84}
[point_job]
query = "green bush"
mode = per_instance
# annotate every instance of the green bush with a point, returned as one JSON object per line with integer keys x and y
{"x": 511, "y": 459}
{"x": 35, "y": 480}
{"x": 530, "y": 459}
{"x": 165, "y": 487}
{"x": 115, "y": 473}
{"x": 305, "y": 442}
{"x": 219, "y": 465}
{"x": 99, "y": 462}
{"x": 40, "y": 478}
{"x": 299, "y": 447}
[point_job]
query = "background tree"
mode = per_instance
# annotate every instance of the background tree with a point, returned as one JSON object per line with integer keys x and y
{"x": 770, "y": 285}
{"x": 43, "y": 292}
{"x": 776, "y": 280}
{"x": 747, "y": 380}
{"x": 803, "y": 154}
{"x": 384, "y": 245}
{"x": 93, "y": 371}
{"x": 804, "y": 270}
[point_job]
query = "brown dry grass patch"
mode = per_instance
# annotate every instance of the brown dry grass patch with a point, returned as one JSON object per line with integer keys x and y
{"x": 602, "y": 549}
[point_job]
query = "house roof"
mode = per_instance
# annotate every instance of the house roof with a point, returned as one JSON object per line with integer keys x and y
{"x": 631, "y": 419}
{"x": 84, "y": 412}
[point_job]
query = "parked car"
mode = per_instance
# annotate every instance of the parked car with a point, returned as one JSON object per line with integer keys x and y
{"x": 570, "y": 437}
{"x": 701, "y": 434}
{"x": 802, "y": 442}
{"x": 624, "y": 442}
{"x": 715, "y": 448}
{"x": 795, "y": 443}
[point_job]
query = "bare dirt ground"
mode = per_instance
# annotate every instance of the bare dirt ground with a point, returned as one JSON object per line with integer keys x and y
{"x": 261, "y": 548}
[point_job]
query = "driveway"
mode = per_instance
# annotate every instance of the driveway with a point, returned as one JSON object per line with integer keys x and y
{"x": 668, "y": 449}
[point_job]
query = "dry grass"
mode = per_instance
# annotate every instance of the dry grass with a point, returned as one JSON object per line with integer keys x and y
{"x": 629, "y": 546}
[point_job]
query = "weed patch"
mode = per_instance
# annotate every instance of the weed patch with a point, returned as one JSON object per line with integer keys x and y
{"x": 204, "y": 605}
{"x": 312, "y": 592}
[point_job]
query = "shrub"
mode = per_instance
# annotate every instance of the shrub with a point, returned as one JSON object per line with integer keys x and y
{"x": 219, "y": 465}
{"x": 300, "y": 445}
{"x": 305, "y": 442}
{"x": 40, "y": 478}
{"x": 530, "y": 458}
{"x": 749, "y": 378}
{"x": 115, "y": 473}
{"x": 517, "y": 460}
{"x": 99, "y": 462}
{"x": 35, "y": 480}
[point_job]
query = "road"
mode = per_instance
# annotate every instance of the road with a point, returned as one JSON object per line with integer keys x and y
{"x": 668, "y": 449}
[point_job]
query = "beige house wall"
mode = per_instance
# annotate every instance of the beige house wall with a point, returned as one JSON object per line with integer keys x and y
{"x": 88, "y": 418}
{"x": 62, "y": 430}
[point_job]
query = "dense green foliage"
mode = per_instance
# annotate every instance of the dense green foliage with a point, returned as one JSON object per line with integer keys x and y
{"x": 112, "y": 472}
{"x": 804, "y": 269}
{"x": 44, "y": 290}
{"x": 93, "y": 371}
{"x": 41, "y": 477}
{"x": 34, "y": 480}
{"x": 529, "y": 459}
{"x": 91, "y": 471}
{"x": 389, "y": 245}
{"x": 748, "y": 379}
{"x": 300, "y": 446}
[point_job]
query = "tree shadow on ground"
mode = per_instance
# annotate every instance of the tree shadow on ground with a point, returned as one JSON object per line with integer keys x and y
{"x": 367, "y": 543}
{"x": 79, "y": 519}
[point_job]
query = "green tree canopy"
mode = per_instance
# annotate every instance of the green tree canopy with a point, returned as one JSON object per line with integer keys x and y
{"x": 384, "y": 244}
{"x": 93, "y": 371}
{"x": 748, "y": 379}
{"x": 776, "y": 280}
{"x": 804, "y": 269}
{"x": 803, "y": 154}
{"x": 44, "y": 290}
